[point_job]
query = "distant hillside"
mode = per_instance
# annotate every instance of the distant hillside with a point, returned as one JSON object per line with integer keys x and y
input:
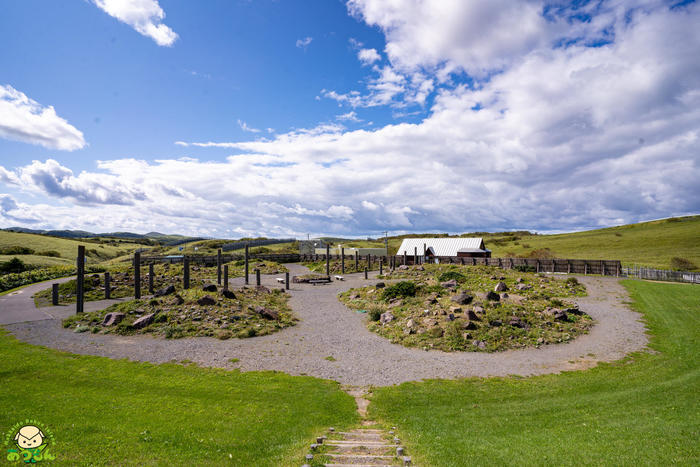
{"x": 74, "y": 234}
{"x": 66, "y": 249}
{"x": 651, "y": 244}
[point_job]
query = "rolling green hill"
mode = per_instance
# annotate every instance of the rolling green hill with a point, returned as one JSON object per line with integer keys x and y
{"x": 651, "y": 244}
{"x": 67, "y": 249}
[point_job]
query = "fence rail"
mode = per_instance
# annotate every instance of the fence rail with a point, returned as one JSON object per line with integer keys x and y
{"x": 662, "y": 275}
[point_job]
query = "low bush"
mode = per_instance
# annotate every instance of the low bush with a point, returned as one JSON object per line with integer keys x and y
{"x": 50, "y": 253}
{"x": 16, "y": 250}
{"x": 399, "y": 290}
{"x": 682, "y": 264}
{"x": 449, "y": 275}
{"x": 15, "y": 265}
{"x": 572, "y": 281}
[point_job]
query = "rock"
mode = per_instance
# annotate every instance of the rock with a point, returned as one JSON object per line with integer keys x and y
{"x": 112, "y": 319}
{"x": 229, "y": 294}
{"x": 379, "y": 285}
{"x": 419, "y": 268}
{"x": 403, "y": 267}
{"x": 455, "y": 309}
{"x": 429, "y": 322}
{"x": 436, "y": 332}
{"x": 574, "y": 311}
{"x": 500, "y": 287}
{"x": 517, "y": 323}
{"x": 206, "y": 301}
{"x": 178, "y": 299}
{"x": 469, "y": 314}
{"x": 467, "y": 324}
{"x": 371, "y": 291}
{"x": 556, "y": 313}
{"x": 143, "y": 321}
{"x": 478, "y": 309}
{"x": 95, "y": 279}
{"x": 449, "y": 284}
{"x": 386, "y": 317}
{"x": 165, "y": 291}
{"x": 493, "y": 296}
{"x": 462, "y": 298}
{"x": 267, "y": 313}
{"x": 466, "y": 335}
{"x": 496, "y": 323}
{"x": 540, "y": 340}
{"x": 262, "y": 289}
{"x": 395, "y": 303}
{"x": 524, "y": 287}
{"x": 354, "y": 296}
{"x": 520, "y": 280}
{"x": 479, "y": 344}
{"x": 504, "y": 296}
{"x": 451, "y": 317}
{"x": 410, "y": 324}
{"x": 210, "y": 288}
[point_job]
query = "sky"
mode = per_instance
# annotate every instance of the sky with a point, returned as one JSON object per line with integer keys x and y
{"x": 278, "y": 118}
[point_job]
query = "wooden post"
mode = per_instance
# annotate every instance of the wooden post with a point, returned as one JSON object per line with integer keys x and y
{"x": 108, "y": 287}
{"x": 246, "y": 264}
{"x": 369, "y": 265}
{"x": 286, "y": 280}
{"x": 404, "y": 257}
{"x": 54, "y": 294}
{"x": 328, "y": 259}
{"x": 473, "y": 261}
{"x": 365, "y": 273}
{"x": 218, "y": 266}
{"x": 617, "y": 269}
{"x": 137, "y": 275}
{"x": 257, "y": 276}
{"x": 357, "y": 260}
{"x": 81, "y": 280}
{"x": 381, "y": 270}
{"x": 602, "y": 268}
{"x": 150, "y": 278}
{"x": 226, "y": 277}
{"x": 568, "y": 266}
{"x": 585, "y": 267}
{"x": 186, "y": 273}
{"x": 538, "y": 265}
{"x": 415, "y": 255}
{"x": 342, "y": 260}
{"x": 425, "y": 252}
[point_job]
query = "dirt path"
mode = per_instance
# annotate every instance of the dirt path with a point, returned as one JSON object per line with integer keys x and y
{"x": 328, "y": 329}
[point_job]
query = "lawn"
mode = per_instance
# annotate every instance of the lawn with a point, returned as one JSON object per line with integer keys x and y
{"x": 643, "y": 410}
{"x": 119, "y": 412}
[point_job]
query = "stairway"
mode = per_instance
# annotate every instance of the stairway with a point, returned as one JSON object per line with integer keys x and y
{"x": 369, "y": 447}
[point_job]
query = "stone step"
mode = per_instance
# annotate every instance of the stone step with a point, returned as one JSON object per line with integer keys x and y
{"x": 349, "y": 436}
{"x": 354, "y": 459}
{"x": 358, "y": 442}
{"x": 379, "y": 449}
{"x": 360, "y": 465}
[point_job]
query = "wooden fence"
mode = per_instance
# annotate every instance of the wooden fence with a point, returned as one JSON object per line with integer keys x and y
{"x": 566, "y": 266}
{"x": 662, "y": 275}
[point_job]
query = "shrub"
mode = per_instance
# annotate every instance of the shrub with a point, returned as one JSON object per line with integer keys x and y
{"x": 400, "y": 289}
{"x": 15, "y": 265}
{"x": 240, "y": 262}
{"x": 16, "y": 250}
{"x": 449, "y": 275}
{"x": 374, "y": 313}
{"x": 523, "y": 268}
{"x": 541, "y": 253}
{"x": 172, "y": 332}
{"x": 682, "y": 264}
{"x": 50, "y": 253}
{"x": 223, "y": 334}
{"x": 572, "y": 281}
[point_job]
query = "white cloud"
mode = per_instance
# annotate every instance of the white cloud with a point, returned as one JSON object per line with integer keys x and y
{"x": 145, "y": 16}
{"x": 304, "y": 43}
{"x": 23, "y": 119}
{"x": 562, "y": 138}
{"x": 348, "y": 117}
{"x": 368, "y": 56}
{"x": 244, "y": 126}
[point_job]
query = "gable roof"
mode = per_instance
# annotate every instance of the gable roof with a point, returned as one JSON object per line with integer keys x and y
{"x": 441, "y": 246}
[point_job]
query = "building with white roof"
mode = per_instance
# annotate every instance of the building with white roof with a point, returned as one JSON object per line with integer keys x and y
{"x": 456, "y": 247}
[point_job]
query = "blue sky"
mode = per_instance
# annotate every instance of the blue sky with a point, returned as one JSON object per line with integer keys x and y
{"x": 277, "y": 118}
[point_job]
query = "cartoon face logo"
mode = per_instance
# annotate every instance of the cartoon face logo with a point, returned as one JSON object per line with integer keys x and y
{"x": 29, "y": 437}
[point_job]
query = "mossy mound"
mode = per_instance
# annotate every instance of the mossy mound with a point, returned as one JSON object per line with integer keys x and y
{"x": 253, "y": 312}
{"x": 528, "y": 310}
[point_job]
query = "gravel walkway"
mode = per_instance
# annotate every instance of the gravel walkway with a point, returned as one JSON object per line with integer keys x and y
{"x": 327, "y": 328}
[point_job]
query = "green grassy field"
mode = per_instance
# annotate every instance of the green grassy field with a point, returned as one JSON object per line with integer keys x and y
{"x": 106, "y": 412}
{"x": 643, "y": 410}
{"x": 651, "y": 244}
{"x": 68, "y": 249}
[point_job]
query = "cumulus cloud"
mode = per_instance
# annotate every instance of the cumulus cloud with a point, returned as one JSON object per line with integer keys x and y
{"x": 244, "y": 126}
{"x": 145, "y": 16}
{"x": 304, "y": 43}
{"x": 368, "y": 56}
{"x": 23, "y": 119}
{"x": 563, "y": 137}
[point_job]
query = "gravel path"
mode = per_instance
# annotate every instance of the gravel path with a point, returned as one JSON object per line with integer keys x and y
{"x": 327, "y": 328}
